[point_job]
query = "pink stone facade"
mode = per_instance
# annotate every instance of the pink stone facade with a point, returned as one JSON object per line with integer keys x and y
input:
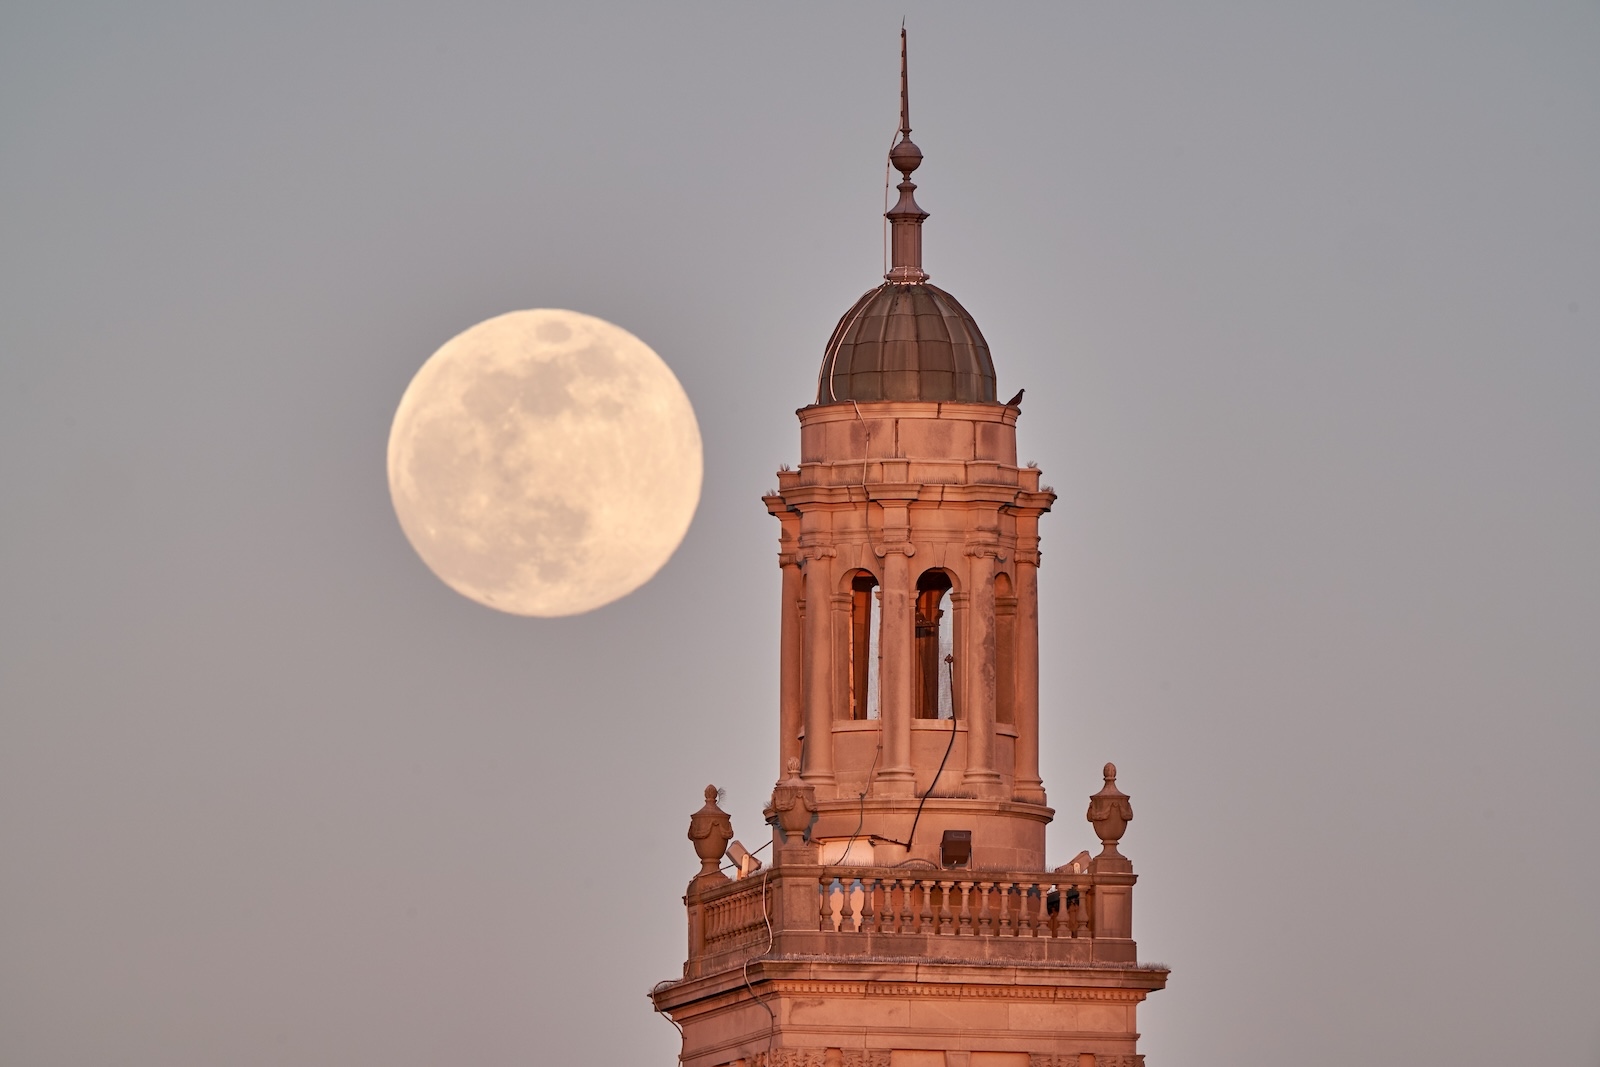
{"x": 905, "y": 916}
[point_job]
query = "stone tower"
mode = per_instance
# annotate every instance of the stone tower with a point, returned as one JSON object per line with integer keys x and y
{"x": 905, "y": 917}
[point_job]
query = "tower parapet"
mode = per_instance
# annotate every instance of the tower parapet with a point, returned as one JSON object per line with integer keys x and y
{"x": 907, "y": 918}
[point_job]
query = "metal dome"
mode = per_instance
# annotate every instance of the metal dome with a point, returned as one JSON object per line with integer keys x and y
{"x": 907, "y": 342}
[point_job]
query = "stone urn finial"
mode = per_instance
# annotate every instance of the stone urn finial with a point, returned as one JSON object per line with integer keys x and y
{"x": 1109, "y": 812}
{"x": 710, "y": 830}
{"x": 793, "y": 808}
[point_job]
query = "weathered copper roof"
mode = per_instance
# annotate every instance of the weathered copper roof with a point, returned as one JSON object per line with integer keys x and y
{"x": 907, "y": 342}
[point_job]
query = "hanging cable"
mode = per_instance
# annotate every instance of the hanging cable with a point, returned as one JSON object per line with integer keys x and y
{"x": 949, "y": 662}
{"x": 772, "y": 1019}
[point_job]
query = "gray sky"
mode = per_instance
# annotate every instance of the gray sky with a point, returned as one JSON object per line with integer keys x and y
{"x": 1307, "y": 303}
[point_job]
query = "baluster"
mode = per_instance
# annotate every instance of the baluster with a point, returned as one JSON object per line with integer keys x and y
{"x": 869, "y": 886}
{"x": 946, "y": 920}
{"x": 825, "y": 912}
{"x": 925, "y": 916}
{"x": 1002, "y": 923}
{"x": 908, "y": 923}
{"x": 846, "y": 912}
{"x": 985, "y": 918}
{"x": 964, "y": 921}
{"x": 1024, "y": 911}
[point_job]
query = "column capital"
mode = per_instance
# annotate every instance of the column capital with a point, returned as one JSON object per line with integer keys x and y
{"x": 905, "y": 548}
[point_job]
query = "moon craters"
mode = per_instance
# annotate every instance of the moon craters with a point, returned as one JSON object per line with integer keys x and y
{"x": 545, "y": 462}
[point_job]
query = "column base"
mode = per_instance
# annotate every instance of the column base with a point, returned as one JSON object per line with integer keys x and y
{"x": 1030, "y": 792}
{"x": 984, "y": 784}
{"x": 895, "y": 782}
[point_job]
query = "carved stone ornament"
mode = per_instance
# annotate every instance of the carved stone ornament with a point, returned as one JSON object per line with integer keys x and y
{"x": 819, "y": 1057}
{"x": 710, "y": 830}
{"x": 793, "y": 808}
{"x": 855, "y": 1057}
{"x": 1109, "y": 812}
{"x": 790, "y": 1057}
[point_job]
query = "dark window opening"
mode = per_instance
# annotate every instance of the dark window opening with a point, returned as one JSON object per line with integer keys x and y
{"x": 930, "y": 676}
{"x": 864, "y": 647}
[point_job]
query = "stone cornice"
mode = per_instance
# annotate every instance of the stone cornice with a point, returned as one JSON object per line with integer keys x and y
{"x": 850, "y": 411}
{"x": 800, "y": 976}
{"x": 1014, "y": 500}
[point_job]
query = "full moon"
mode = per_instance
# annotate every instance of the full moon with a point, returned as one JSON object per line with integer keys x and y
{"x": 545, "y": 463}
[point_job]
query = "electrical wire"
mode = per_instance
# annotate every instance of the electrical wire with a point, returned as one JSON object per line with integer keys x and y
{"x": 772, "y": 1023}
{"x": 950, "y": 663}
{"x": 664, "y": 1015}
{"x": 861, "y": 815}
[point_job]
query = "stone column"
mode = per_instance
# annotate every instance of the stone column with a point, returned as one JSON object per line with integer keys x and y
{"x": 978, "y": 674}
{"x": 896, "y": 778}
{"x": 1029, "y": 786}
{"x": 817, "y": 768}
{"x": 789, "y": 708}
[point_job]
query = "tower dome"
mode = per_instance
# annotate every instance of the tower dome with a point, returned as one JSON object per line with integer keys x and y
{"x": 906, "y": 339}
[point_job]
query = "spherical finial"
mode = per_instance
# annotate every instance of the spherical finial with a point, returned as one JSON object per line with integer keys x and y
{"x": 905, "y": 157}
{"x": 1110, "y": 772}
{"x": 711, "y": 792}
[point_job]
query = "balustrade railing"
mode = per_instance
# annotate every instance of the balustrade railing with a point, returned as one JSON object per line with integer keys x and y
{"x": 952, "y": 903}
{"x": 803, "y": 909}
{"x": 739, "y": 919}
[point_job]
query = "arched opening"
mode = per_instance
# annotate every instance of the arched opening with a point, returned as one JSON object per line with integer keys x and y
{"x": 864, "y": 626}
{"x": 930, "y": 676}
{"x": 1005, "y": 650}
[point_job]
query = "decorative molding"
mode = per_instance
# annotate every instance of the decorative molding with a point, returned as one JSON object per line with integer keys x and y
{"x": 966, "y": 992}
{"x": 855, "y": 1057}
{"x": 789, "y": 1057}
{"x": 821, "y": 1057}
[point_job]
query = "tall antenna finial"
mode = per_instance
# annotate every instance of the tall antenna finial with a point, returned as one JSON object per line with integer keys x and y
{"x": 905, "y": 92}
{"x": 905, "y": 218}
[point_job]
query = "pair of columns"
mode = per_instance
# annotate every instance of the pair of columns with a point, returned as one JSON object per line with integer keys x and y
{"x": 809, "y": 696}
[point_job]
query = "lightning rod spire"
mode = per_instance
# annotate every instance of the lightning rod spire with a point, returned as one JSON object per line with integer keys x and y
{"x": 906, "y": 218}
